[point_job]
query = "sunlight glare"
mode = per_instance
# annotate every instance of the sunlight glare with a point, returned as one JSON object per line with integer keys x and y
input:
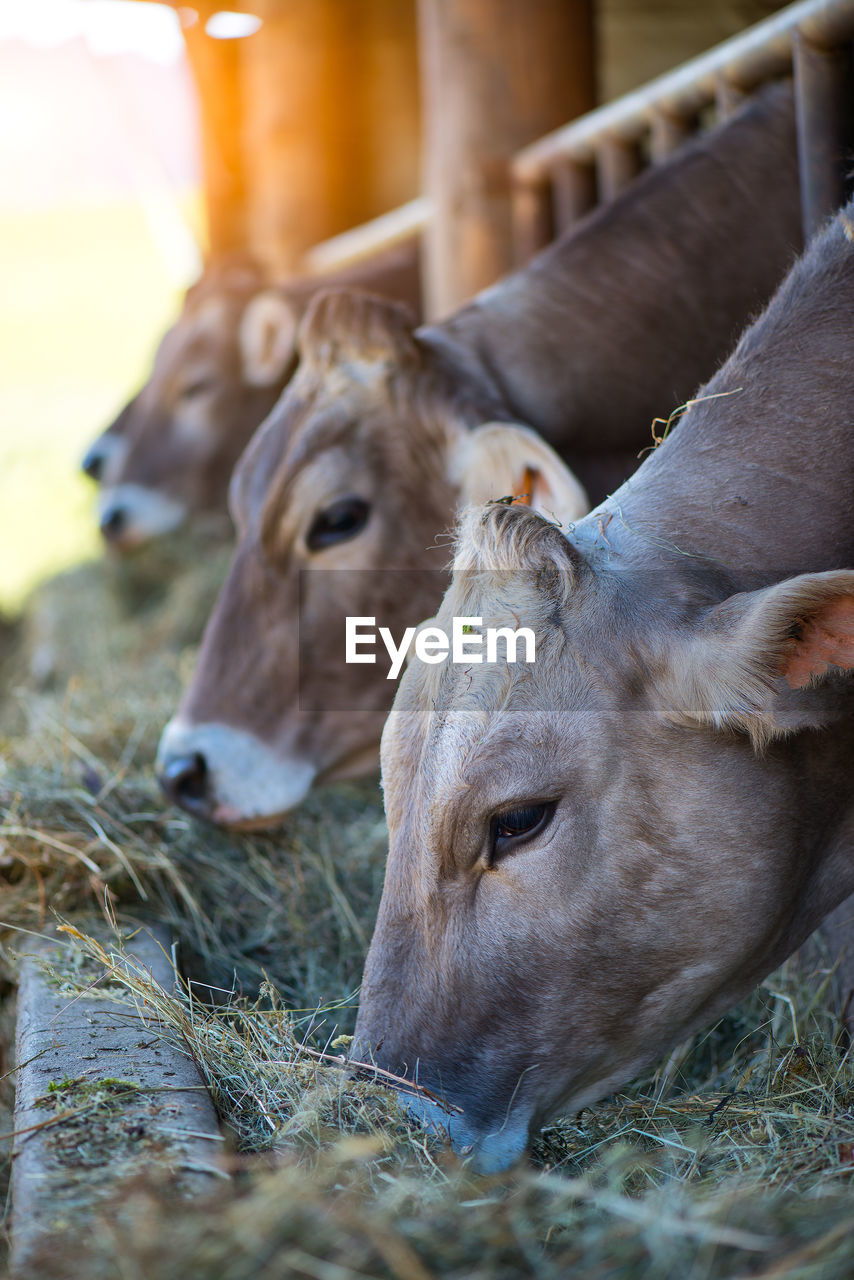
{"x": 108, "y": 26}
{"x": 226, "y": 25}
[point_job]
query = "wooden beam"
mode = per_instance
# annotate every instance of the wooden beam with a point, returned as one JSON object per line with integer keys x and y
{"x": 735, "y": 67}
{"x": 495, "y": 75}
{"x": 824, "y": 97}
{"x": 331, "y": 119}
{"x": 215, "y": 65}
{"x": 400, "y": 226}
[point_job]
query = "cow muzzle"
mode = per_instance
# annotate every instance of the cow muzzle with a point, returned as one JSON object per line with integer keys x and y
{"x": 107, "y": 449}
{"x": 229, "y": 776}
{"x": 131, "y": 514}
{"x": 185, "y": 781}
{"x": 492, "y": 1135}
{"x": 491, "y": 1149}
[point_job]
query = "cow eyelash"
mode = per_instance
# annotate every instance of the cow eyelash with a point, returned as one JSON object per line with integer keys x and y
{"x": 513, "y": 827}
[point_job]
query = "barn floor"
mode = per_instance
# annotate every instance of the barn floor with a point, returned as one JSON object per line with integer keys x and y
{"x": 733, "y": 1159}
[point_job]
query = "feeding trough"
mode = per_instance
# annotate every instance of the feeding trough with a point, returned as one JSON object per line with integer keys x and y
{"x": 101, "y": 1099}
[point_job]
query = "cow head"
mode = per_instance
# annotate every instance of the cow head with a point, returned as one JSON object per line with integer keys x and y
{"x": 595, "y": 853}
{"x": 217, "y": 373}
{"x": 360, "y": 467}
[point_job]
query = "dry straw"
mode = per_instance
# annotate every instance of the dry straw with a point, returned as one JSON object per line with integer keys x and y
{"x": 733, "y": 1159}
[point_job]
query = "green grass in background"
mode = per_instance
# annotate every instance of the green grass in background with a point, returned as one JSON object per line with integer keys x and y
{"x": 85, "y": 297}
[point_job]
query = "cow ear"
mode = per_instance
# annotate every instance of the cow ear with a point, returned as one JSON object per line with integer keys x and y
{"x": 501, "y": 459}
{"x": 759, "y": 662}
{"x": 268, "y": 330}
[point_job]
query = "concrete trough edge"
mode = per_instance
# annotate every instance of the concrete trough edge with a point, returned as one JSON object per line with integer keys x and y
{"x": 78, "y": 1140}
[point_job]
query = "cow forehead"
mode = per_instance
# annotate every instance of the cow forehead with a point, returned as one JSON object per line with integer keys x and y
{"x": 331, "y": 401}
{"x": 465, "y": 724}
{"x": 295, "y": 441}
{"x": 198, "y": 331}
{"x": 442, "y": 789}
{"x": 315, "y": 421}
{"x": 454, "y": 721}
{"x": 480, "y": 602}
{"x": 319, "y": 381}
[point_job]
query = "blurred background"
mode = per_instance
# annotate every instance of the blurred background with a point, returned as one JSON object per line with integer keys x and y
{"x": 137, "y": 137}
{"x": 100, "y": 228}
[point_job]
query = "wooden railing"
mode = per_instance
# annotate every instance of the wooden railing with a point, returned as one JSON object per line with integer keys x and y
{"x": 370, "y": 240}
{"x": 559, "y": 178}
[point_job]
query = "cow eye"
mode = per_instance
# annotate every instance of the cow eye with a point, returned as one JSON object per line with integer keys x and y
{"x": 343, "y": 520}
{"x": 515, "y": 826}
{"x": 197, "y": 388}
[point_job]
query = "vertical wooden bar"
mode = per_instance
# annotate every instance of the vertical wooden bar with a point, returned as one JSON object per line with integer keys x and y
{"x": 331, "y": 119}
{"x": 824, "y": 104}
{"x": 617, "y": 164}
{"x": 728, "y": 98}
{"x": 669, "y": 133}
{"x": 496, "y": 74}
{"x": 574, "y": 191}
{"x": 533, "y": 220}
{"x": 215, "y": 65}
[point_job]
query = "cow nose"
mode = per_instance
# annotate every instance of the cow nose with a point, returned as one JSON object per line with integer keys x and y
{"x": 113, "y": 523}
{"x": 185, "y": 781}
{"x": 93, "y": 463}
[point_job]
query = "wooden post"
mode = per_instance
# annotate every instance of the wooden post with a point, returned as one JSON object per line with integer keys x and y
{"x": 215, "y": 65}
{"x": 824, "y": 108}
{"x": 495, "y": 75}
{"x": 331, "y": 119}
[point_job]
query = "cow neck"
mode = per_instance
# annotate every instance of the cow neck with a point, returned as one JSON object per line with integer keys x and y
{"x": 621, "y": 319}
{"x": 759, "y": 475}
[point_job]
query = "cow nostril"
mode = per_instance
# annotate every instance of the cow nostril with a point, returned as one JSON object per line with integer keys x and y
{"x": 113, "y": 523}
{"x": 185, "y": 781}
{"x": 93, "y": 465}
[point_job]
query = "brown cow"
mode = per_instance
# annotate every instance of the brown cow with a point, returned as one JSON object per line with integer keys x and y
{"x": 217, "y": 373}
{"x": 359, "y": 467}
{"x": 598, "y": 852}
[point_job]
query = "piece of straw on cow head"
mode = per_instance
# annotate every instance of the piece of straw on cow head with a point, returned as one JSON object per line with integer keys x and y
{"x": 598, "y": 851}
{"x": 340, "y": 504}
{"x": 218, "y": 371}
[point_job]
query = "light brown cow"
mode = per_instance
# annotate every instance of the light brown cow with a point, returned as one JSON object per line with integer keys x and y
{"x": 360, "y": 465}
{"x": 217, "y": 373}
{"x": 258, "y": 785}
{"x": 598, "y": 852}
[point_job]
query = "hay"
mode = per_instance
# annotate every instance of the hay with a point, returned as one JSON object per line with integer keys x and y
{"x": 733, "y": 1159}
{"x": 299, "y": 905}
{"x": 285, "y": 1224}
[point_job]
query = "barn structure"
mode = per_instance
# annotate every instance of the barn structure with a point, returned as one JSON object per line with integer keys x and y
{"x": 342, "y": 129}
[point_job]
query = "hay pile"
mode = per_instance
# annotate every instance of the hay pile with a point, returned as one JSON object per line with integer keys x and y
{"x": 733, "y": 1159}
{"x": 103, "y": 649}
